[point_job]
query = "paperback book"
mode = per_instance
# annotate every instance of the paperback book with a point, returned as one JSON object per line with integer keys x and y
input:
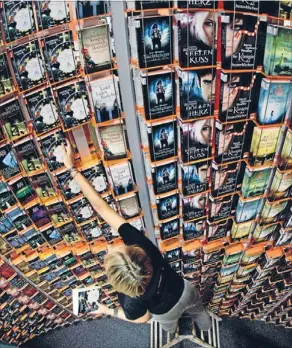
{"x": 82, "y": 210}
{"x": 196, "y": 140}
{"x": 162, "y": 140}
{"x": 164, "y": 177}
{"x": 149, "y": 4}
{"x": 51, "y": 13}
{"x": 243, "y": 6}
{"x": 58, "y": 213}
{"x": 43, "y": 186}
{"x": 195, "y": 177}
{"x": 6, "y": 83}
{"x": 286, "y": 153}
{"x": 113, "y": 143}
{"x": 221, "y": 207}
{"x": 74, "y": 105}
{"x": 154, "y": 41}
{"x": 7, "y": 199}
{"x": 281, "y": 185}
{"x": 158, "y": 94}
{"x": 19, "y": 219}
{"x": 247, "y": 210}
{"x": 226, "y": 178}
{"x": 22, "y": 190}
{"x": 167, "y": 206}
{"x": 18, "y": 19}
{"x": 69, "y": 233}
{"x": 211, "y": 4}
{"x": 28, "y": 65}
{"x": 169, "y": 229}
{"x": 271, "y": 211}
{"x": 38, "y": 215}
{"x": 85, "y": 9}
{"x": 68, "y": 185}
{"x": 6, "y": 224}
{"x": 196, "y": 46}
{"x": 60, "y": 56}
{"x": 106, "y": 98}
{"x": 263, "y": 232}
{"x": 121, "y": 178}
{"x": 95, "y": 49}
{"x": 91, "y": 230}
{"x": 108, "y": 232}
{"x": 52, "y": 235}
{"x": 193, "y": 230}
{"x": 12, "y": 119}
{"x": 28, "y": 155}
{"x": 173, "y": 255}
{"x": 15, "y": 240}
{"x": 97, "y": 177}
{"x": 86, "y": 300}
{"x": 219, "y": 230}
{"x": 42, "y": 110}
{"x": 255, "y": 181}
{"x": 194, "y": 207}
{"x": 129, "y": 207}
{"x": 197, "y": 93}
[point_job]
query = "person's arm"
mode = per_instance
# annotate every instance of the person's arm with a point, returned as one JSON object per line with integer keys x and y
{"x": 103, "y": 209}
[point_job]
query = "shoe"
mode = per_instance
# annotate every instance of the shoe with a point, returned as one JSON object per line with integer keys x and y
{"x": 203, "y": 320}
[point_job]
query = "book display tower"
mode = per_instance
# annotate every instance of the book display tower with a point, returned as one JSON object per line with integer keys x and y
{"x": 180, "y": 115}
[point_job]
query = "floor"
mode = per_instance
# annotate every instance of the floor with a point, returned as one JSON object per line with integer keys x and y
{"x": 113, "y": 333}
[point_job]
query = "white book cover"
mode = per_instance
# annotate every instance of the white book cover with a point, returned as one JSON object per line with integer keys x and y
{"x": 121, "y": 177}
{"x": 86, "y": 300}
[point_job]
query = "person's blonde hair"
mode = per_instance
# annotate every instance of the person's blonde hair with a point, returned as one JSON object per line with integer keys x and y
{"x": 129, "y": 271}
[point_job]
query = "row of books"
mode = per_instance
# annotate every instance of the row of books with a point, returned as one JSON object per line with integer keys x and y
{"x": 236, "y": 41}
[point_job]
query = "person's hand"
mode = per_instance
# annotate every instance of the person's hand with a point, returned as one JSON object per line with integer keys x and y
{"x": 68, "y": 155}
{"x": 102, "y": 309}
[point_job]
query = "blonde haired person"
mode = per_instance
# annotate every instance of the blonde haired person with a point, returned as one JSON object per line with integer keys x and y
{"x": 203, "y": 27}
{"x": 147, "y": 285}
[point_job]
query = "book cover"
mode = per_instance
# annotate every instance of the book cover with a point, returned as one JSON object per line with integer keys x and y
{"x": 162, "y": 140}
{"x": 69, "y": 232}
{"x": 34, "y": 238}
{"x": 108, "y": 232}
{"x": 281, "y": 185}
{"x": 22, "y": 190}
{"x": 38, "y": 215}
{"x": 91, "y": 231}
{"x": 121, "y": 177}
{"x": 7, "y": 199}
{"x": 97, "y": 177}
{"x": 173, "y": 255}
{"x": 255, "y": 181}
{"x": 51, "y": 149}
{"x": 18, "y": 19}
{"x": 12, "y": 119}
{"x": 169, "y": 229}
{"x": 286, "y": 153}
{"x": 28, "y": 65}
{"x": 226, "y": 178}
{"x": 168, "y": 206}
{"x": 211, "y": 4}
{"x": 243, "y": 6}
{"x": 42, "y": 110}
{"x": 196, "y": 140}
{"x": 19, "y": 219}
{"x": 165, "y": 177}
{"x": 197, "y": 38}
{"x": 60, "y": 56}
{"x": 262, "y": 233}
{"x": 138, "y": 224}
{"x": 193, "y": 230}
{"x": 239, "y": 41}
{"x": 28, "y": 155}
{"x": 247, "y": 210}
{"x": 221, "y": 207}
{"x": 273, "y": 101}
{"x": 229, "y": 141}
{"x": 52, "y": 235}
{"x": 6, "y": 224}
{"x": 150, "y": 4}
{"x": 86, "y": 300}
{"x": 113, "y": 142}
{"x": 6, "y": 82}
{"x": 43, "y": 186}
{"x": 194, "y": 207}
{"x": 219, "y": 230}
{"x": 277, "y": 56}
{"x": 74, "y": 104}
{"x": 271, "y": 211}
{"x": 68, "y": 185}
{"x": 129, "y": 207}
{"x": 195, "y": 177}
{"x": 15, "y": 240}
{"x": 176, "y": 266}
{"x": 85, "y": 9}
{"x": 51, "y": 13}
{"x": 158, "y": 94}
{"x": 154, "y": 41}
{"x": 82, "y": 210}
{"x": 236, "y": 96}
{"x": 242, "y": 229}
{"x": 197, "y": 93}
{"x": 106, "y": 98}
{"x": 58, "y": 213}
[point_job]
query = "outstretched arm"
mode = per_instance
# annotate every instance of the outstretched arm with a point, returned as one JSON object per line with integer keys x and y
{"x": 103, "y": 209}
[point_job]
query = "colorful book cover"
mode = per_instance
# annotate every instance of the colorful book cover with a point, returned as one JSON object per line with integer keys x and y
{"x": 129, "y": 207}
{"x": 196, "y": 140}
{"x": 91, "y": 230}
{"x": 74, "y": 104}
{"x": 197, "y": 93}
{"x": 12, "y": 119}
{"x": 68, "y": 185}
{"x": 262, "y": 233}
{"x": 34, "y": 238}
{"x": 6, "y": 83}
{"x": 22, "y": 190}
{"x": 18, "y": 19}
{"x": 241, "y": 230}
{"x": 82, "y": 210}
{"x": 221, "y": 207}
{"x": 247, "y": 210}
{"x": 20, "y": 220}
{"x": 113, "y": 143}
{"x": 95, "y": 49}
{"x": 7, "y": 199}
{"x": 108, "y": 232}
{"x": 271, "y": 211}
{"x": 43, "y": 186}
{"x": 219, "y": 230}
{"x": 85, "y": 9}
{"x": 148, "y": 4}
{"x": 281, "y": 185}
{"x": 162, "y": 140}
{"x": 199, "y": 4}
{"x": 158, "y": 94}
{"x": 121, "y": 177}
{"x": 273, "y": 101}
{"x": 16, "y": 240}
{"x": 60, "y": 56}
{"x": 169, "y": 229}
{"x": 195, "y": 177}
{"x": 197, "y": 38}
{"x": 28, "y": 65}
{"x": 194, "y": 207}
{"x": 243, "y": 6}
{"x": 106, "y": 98}
{"x": 165, "y": 177}
{"x": 58, "y": 213}
{"x": 28, "y": 155}
{"x": 97, "y": 177}
{"x": 168, "y": 206}
{"x": 52, "y": 235}
{"x": 239, "y": 41}
{"x": 277, "y": 58}
{"x": 43, "y": 110}
{"x": 193, "y": 230}
{"x": 255, "y": 181}
{"x": 154, "y": 41}
{"x": 286, "y": 153}
{"x": 6, "y": 224}
{"x": 38, "y": 215}
{"x": 51, "y": 13}
{"x": 226, "y": 178}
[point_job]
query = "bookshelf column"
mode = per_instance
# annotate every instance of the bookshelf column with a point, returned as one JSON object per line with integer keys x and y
{"x": 127, "y": 92}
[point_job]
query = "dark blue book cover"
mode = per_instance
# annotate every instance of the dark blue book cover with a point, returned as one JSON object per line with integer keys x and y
{"x": 195, "y": 177}
{"x": 168, "y": 206}
{"x": 169, "y": 229}
{"x": 165, "y": 177}
{"x": 193, "y": 230}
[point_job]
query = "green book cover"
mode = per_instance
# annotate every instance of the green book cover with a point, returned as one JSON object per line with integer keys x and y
{"x": 255, "y": 182}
